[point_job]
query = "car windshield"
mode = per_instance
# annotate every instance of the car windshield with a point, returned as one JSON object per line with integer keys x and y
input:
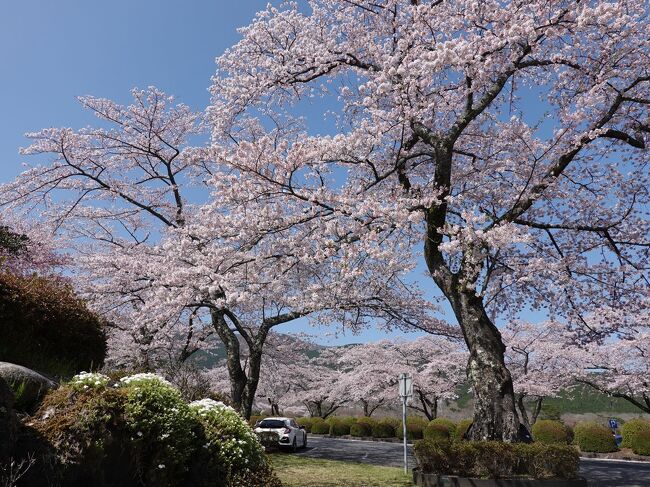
{"x": 272, "y": 423}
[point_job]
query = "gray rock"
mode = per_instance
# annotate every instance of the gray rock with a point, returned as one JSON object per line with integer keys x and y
{"x": 33, "y": 386}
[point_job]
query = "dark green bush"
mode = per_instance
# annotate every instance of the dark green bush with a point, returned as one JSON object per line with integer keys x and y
{"x": 641, "y": 445}
{"x": 414, "y": 429}
{"x": 462, "y": 427}
{"x": 631, "y": 429}
{"x": 436, "y": 432}
{"x": 45, "y": 327}
{"x": 383, "y": 429}
{"x": 340, "y": 426}
{"x": 594, "y": 437}
{"x": 306, "y": 422}
{"x": 440, "y": 429}
{"x": 320, "y": 427}
{"x": 496, "y": 459}
{"x": 361, "y": 430}
{"x": 550, "y": 432}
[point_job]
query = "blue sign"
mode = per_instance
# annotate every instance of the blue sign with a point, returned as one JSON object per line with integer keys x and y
{"x": 613, "y": 424}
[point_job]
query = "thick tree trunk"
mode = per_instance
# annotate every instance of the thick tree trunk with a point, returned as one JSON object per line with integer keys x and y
{"x": 243, "y": 386}
{"x": 495, "y": 413}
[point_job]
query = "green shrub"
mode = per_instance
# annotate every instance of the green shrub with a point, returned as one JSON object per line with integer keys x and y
{"x": 594, "y": 437}
{"x": 44, "y": 326}
{"x": 306, "y": 422}
{"x": 462, "y": 427}
{"x": 440, "y": 429}
{"x": 366, "y": 420}
{"x": 448, "y": 423}
{"x": 496, "y": 459}
{"x": 414, "y": 429}
{"x": 550, "y": 432}
{"x": 340, "y": 426}
{"x": 383, "y": 429}
{"x": 631, "y": 429}
{"x": 436, "y": 432}
{"x": 543, "y": 461}
{"x": 162, "y": 429}
{"x": 641, "y": 445}
{"x": 229, "y": 439}
{"x": 320, "y": 427}
{"x": 140, "y": 432}
{"x": 361, "y": 430}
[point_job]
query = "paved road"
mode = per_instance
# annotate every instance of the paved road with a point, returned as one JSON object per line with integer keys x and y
{"x": 600, "y": 473}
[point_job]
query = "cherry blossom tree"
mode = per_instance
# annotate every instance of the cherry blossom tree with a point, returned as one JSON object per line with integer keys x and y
{"x": 544, "y": 360}
{"x": 621, "y": 368}
{"x": 438, "y": 367}
{"x": 367, "y": 375}
{"x": 510, "y": 138}
{"x": 173, "y": 251}
{"x": 27, "y": 248}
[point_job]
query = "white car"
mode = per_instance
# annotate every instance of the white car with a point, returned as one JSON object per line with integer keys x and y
{"x": 290, "y": 434}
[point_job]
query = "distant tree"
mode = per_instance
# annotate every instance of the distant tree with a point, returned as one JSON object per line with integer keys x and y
{"x": 621, "y": 369}
{"x": 544, "y": 360}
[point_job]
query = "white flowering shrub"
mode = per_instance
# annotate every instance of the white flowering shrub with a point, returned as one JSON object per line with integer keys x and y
{"x": 144, "y": 378}
{"x": 163, "y": 429}
{"x": 229, "y": 437}
{"x": 89, "y": 380}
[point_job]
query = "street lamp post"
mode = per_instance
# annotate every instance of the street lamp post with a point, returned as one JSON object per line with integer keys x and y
{"x": 405, "y": 393}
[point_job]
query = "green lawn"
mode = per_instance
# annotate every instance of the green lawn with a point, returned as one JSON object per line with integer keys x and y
{"x": 295, "y": 471}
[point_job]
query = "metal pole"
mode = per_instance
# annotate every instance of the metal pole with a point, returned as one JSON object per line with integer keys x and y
{"x": 406, "y": 462}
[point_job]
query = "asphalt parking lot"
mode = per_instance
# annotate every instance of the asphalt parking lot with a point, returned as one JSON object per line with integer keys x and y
{"x": 599, "y": 473}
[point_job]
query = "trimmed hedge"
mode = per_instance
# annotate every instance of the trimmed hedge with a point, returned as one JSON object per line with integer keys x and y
{"x": 440, "y": 429}
{"x": 320, "y": 427}
{"x": 366, "y": 420}
{"x": 306, "y": 422}
{"x": 361, "y": 430}
{"x": 383, "y": 429}
{"x": 46, "y": 327}
{"x": 462, "y": 427}
{"x": 485, "y": 459}
{"x": 641, "y": 445}
{"x": 550, "y": 432}
{"x": 340, "y": 426}
{"x": 631, "y": 430}
{"x": 594, "y": 437}
{"x": 414, "y": 429}
{"x": 437, "y": 432}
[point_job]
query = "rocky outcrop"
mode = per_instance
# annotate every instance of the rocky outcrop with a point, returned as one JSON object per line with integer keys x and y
{"x": 31, "y": 384}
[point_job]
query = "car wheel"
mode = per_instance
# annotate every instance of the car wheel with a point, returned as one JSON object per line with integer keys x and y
{"x": 304, "y": 443}
{"x": 294, "y": 446}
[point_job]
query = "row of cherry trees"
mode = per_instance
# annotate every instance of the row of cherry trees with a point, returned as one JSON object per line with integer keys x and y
{"x": 544, "y": 360}
{"x": 503, "y": 143}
